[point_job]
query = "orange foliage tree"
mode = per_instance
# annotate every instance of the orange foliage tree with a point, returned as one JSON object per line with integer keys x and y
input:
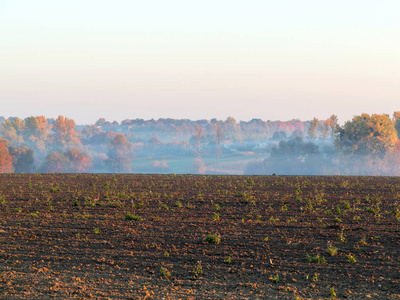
{"x": 71, "y": 161}
{"x": 78, "y": 162}
{"x": 64, "y": 132}
{"x": 6, "y": 165}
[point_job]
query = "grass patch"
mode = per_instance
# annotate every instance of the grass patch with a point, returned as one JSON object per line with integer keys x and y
{"x": 213, "y": 238}
{"x": 129, "y": 216}
{"x": 316, "y": 259}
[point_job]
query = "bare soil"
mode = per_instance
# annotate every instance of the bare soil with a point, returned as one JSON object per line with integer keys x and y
{"x": 70, "y": 236}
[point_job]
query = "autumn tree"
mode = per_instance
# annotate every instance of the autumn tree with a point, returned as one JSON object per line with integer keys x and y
{"x": 367, "y": 134}
{"x": 79, "y": 162}
{"x": 12, "y": 129}
{"x": 396, "y": 115}
{"x": 55, "y": 162}
{"x": 64, "y": 133}
{"x": 71, "y": 161}
{"x": 332, "y": 122}
{"x": 233, "y": 129}
{"x": 312, "y": 133}
{"x": 327, "y": 128}
{"x": 323, "y": 128}
{"x": 36, "y": 130}
{"x": 120, "y": 155}
{"x": 6, "y": 165}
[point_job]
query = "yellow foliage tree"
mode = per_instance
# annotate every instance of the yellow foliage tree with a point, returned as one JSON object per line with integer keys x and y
{"x": 367, "y": 134}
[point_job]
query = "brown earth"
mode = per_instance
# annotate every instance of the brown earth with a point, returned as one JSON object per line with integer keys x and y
{"x": 68, "y": 236}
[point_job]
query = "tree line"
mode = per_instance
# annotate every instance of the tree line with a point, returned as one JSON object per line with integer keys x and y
{"x": 365, "y": 145}
{"x": 40, "y": 144}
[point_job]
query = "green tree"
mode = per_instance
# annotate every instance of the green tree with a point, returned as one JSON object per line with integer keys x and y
{"x": 396, "y": 120}
{"x": 366, "y": 135}
{"x": 22, "y": 158}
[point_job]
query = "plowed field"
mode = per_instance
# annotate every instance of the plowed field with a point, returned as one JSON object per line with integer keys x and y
{"x": 69, "y": 236}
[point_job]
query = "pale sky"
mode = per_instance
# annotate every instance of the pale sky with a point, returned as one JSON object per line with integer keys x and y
{"x": 274, "y": 60}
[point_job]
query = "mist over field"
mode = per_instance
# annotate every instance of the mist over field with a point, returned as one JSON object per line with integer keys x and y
{"x": 365, "y": 145}
{"x": 187, "y": 68}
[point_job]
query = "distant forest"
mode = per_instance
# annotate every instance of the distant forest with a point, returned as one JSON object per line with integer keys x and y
{"x": 365, "y": 145}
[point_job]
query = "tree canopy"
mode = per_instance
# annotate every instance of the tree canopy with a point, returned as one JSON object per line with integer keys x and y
{"x": 367, "y": 134}
{"x": 64, "y": 132}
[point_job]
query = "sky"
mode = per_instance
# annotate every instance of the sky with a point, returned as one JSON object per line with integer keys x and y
{"x": 274, "y": 60}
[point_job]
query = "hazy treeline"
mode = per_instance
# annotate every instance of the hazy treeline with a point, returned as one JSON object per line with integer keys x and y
{"x": 368, "y": 144}
{"x": 38, "y": 144}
